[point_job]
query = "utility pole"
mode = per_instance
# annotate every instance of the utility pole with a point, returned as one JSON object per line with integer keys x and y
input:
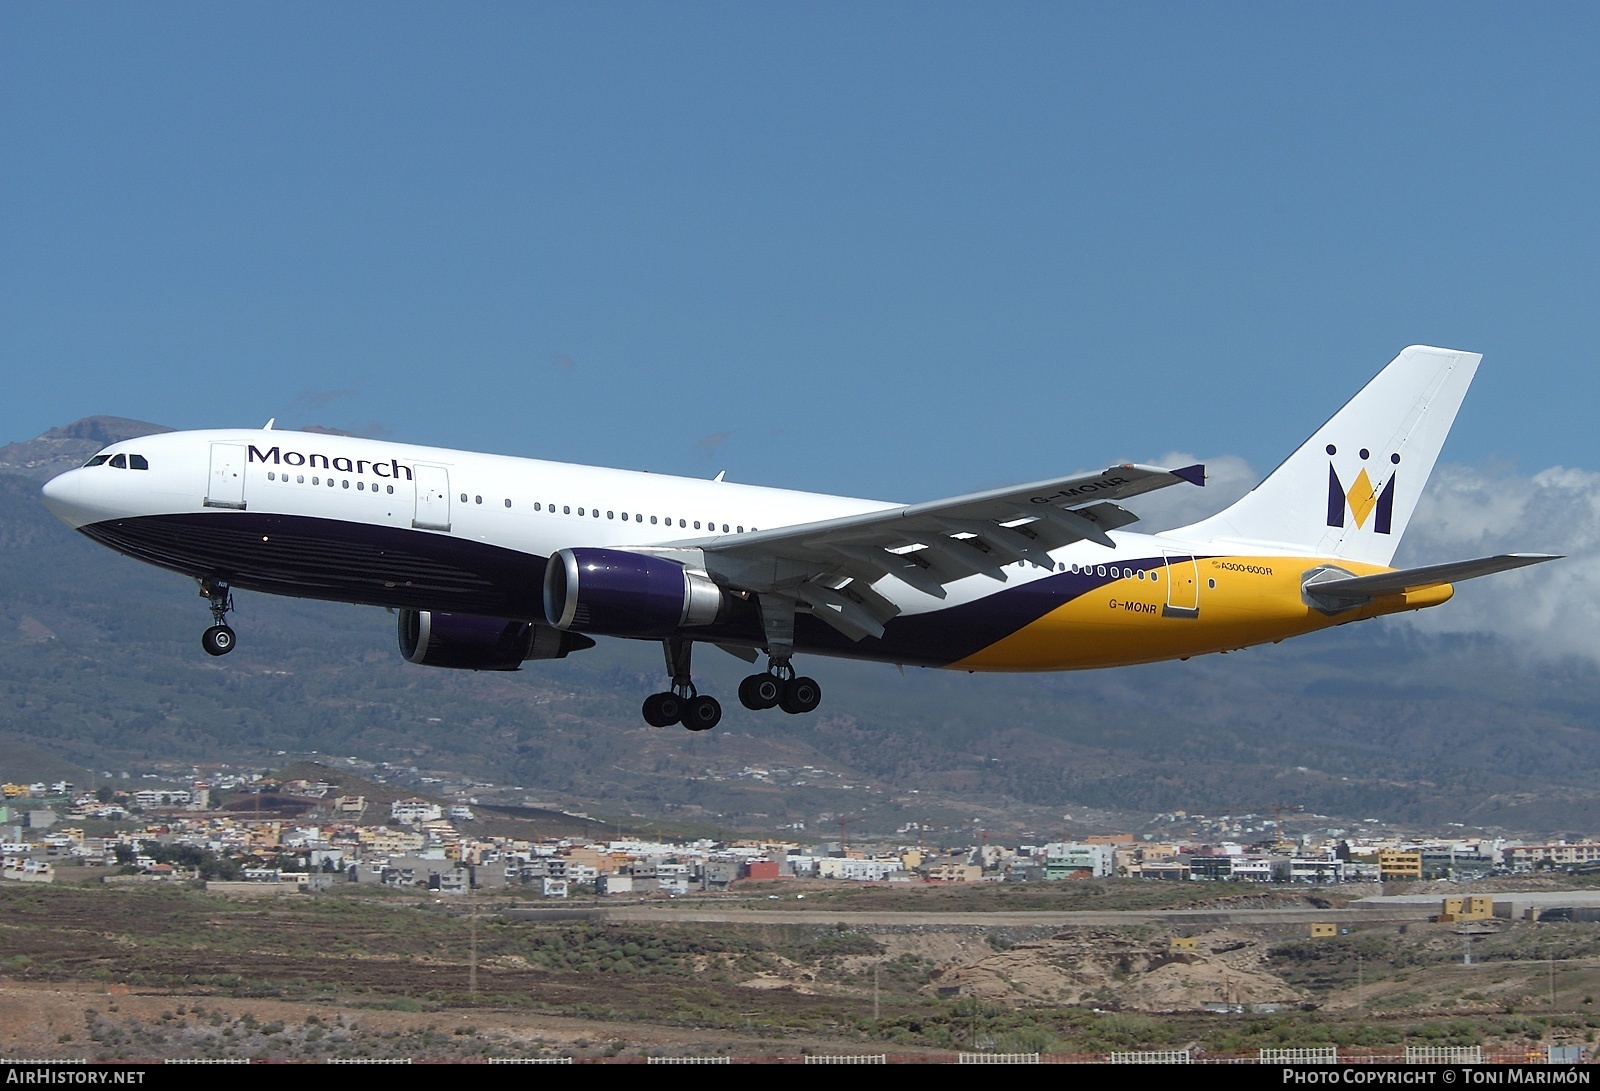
{"x": 875, "y": 967}
{"x": 472, "y": 955}
{"x": 1358, "y": 981}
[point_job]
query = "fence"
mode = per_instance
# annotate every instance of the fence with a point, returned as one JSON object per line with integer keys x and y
{"x": 1316, "y": 1055}
{"x": 1153, "y": 1056}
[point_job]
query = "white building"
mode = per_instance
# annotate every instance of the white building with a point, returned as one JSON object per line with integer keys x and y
{"x": 414, "y": 812}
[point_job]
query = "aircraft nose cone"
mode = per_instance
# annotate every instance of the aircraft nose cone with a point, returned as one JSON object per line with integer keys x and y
{"x": 61, "y": 494}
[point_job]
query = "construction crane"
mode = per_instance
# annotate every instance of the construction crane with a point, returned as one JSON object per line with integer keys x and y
{"x": 1278, "y": 809}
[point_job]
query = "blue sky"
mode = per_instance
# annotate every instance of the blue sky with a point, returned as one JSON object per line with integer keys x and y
{"x": 890, "y": 250}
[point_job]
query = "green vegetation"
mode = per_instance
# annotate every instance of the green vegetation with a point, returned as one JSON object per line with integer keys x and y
{"x": 407, "y": 955}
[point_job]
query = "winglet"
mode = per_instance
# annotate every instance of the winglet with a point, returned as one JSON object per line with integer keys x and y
{"x": 1195, "y": 475}
{"x": 268, "y": 426}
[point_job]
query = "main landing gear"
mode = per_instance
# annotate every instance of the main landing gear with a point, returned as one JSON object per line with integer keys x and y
{"x": 682, "y": 704}
{"x": 779, "y": 688}
{"x": 219, "y": 639}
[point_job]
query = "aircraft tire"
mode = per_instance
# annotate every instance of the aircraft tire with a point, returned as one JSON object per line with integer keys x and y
{"x": 801, "y": 695}
{"x": 656, "y": 710}
{"x": 217, "y": 640}
{"x": 702, "y": 713}
{"x": 760, "y": 692}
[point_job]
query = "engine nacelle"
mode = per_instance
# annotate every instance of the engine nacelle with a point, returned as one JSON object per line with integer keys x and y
{"x": 480, "y": 643}
{"x": 618, "y": 593}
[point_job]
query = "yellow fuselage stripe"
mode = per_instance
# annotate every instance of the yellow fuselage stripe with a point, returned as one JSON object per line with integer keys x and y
{"x": 1240, "y": 601}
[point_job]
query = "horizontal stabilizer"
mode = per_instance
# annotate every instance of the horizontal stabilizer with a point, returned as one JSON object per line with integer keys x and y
{"x": 1331, "y": 586}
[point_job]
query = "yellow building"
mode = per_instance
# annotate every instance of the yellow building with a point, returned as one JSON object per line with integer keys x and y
{"x": 1478, "y": 907}
{"x": 1322, "y": 930}
{"x": 1399, "y": 864}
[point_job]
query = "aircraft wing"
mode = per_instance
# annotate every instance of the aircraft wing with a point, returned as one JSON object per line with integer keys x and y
{"x": 1342, "y": 590}
{"x": 830, "y": 565}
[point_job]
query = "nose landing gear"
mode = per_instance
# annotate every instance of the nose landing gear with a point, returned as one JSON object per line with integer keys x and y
{"x": 219, "y": 639}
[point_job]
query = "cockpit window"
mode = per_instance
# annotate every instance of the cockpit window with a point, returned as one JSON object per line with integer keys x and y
{"x": 97, "y": 460}
{"x": 120, "y": 462}
{"x": 138, "y": 462}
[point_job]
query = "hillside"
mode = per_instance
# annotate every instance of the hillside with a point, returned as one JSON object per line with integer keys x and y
{"x": 100, "y": 665}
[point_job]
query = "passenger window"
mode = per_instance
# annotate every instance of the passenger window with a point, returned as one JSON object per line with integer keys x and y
{"x": 316, "y": 481}
{"x": 741, "y": 530}
{"x": 97, "y": 460}
{"x": 391, "y": 488}
{"x": 330, "y": 483}
{"x": 508, "y": 502}
{"x": 724, "y": 528}
{"x": 565, "y": 510}
{"x": 120, "y": 462}
{"x": 137, "y": 462}
{"x": 580, "y": 511}
{"x": 463, "y": 498}
{"x": 347, "y": 482}
{"x": 595, "y": 512}
{"x": 300, "y": 479}
{"x": 652, "y": 520}
{"x": 271, "y": 476}
{"x": 361, "y": 486}
{"x": 536, "y": 506}
{"x": 697, "y": 524}
{"x": 479, "y": 499}
{"x": 610, "y": 515}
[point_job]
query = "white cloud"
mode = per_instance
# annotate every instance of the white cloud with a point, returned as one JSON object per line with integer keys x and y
{"x": 1549, "y": 610}
{"x": 1228, "y": 477}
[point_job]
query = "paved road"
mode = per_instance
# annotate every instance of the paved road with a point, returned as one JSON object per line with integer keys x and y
{"x": 680, "y": 913}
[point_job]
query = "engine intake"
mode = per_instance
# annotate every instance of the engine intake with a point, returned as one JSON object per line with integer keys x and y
{"x": 465, "y": 642}
{"x": 618, "y": 593}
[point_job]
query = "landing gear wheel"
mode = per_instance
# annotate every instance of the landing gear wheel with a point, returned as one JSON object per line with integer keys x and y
{"x": 662, "y": 709}
{"x": 702, "y": 713}
{"x": 800, "y": 695}
{"x": 217, "y": 640}
{"x": 760, "y": 691}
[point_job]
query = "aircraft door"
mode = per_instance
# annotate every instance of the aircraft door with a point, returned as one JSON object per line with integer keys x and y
{"x": 1183, "y": 586}
{"x": 433, "y": 498}
{"x": 225, "y": 486}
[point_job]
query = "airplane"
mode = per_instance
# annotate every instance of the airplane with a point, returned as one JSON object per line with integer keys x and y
{"x": 492, "y": 561}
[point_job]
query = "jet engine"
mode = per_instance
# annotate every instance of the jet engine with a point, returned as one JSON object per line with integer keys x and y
{"x": 618, "y": 593}
{"x": 480, "y": 643}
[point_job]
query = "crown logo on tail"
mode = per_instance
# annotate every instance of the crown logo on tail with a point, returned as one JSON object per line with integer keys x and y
{"x": 1362, "y": 499}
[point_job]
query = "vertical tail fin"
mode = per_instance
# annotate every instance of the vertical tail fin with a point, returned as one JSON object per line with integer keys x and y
{"x": 1350, "y": 489}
